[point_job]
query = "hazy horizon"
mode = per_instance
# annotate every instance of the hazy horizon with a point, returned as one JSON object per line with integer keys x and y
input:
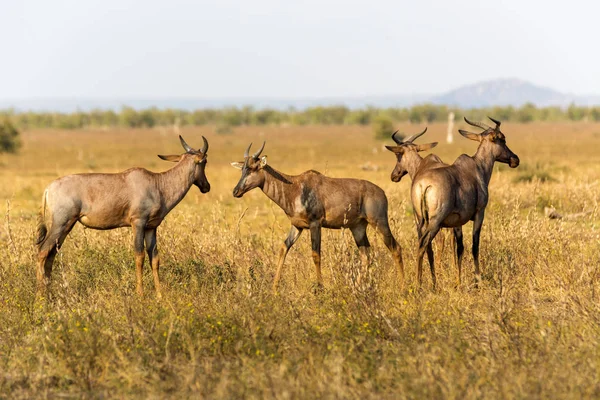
{"x": 268, "y": 49}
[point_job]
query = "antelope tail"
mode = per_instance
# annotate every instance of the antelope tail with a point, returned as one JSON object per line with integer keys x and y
{"x": 424, "y": 211}
{"x": 424, "y": 221}
{"x": 42, "y": 229}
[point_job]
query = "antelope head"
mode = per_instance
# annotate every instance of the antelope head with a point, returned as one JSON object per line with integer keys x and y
{"x": 492, "y": 141}
{"x": 199, "y": 159}
{"x": 403, "y": 147}
{"x": 251, "y": 167}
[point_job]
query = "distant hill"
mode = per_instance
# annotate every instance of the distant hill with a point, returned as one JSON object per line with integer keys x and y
{"x": 499, "y": 92}
{"x": 503, "y": 92}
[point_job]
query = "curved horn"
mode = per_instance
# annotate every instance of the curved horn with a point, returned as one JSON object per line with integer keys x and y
{"x": 185, "y": 145}
{"x": 395, "y": 139}
{"x": 477, "y": 124}
{"x": 415, "y": 136}
{"x": 496, "y": 122}
{"x": 247, "y": 153}
{"x": 205, "y": 147}
{"x": 257, "y": 154}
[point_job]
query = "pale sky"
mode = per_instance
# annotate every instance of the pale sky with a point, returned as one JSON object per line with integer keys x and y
{"x": 315, "y": 48}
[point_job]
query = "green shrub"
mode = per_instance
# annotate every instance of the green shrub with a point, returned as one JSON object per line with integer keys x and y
{"x": 383, "y": 127}
{"x": 9, "y": 138}
{"x": 527, "y": 113}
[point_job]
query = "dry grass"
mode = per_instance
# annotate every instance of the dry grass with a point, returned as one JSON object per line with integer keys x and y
{"x": 531, "y": 330}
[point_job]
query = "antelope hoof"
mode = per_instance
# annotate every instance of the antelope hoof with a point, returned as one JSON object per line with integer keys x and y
{"x": 318, "y": 288}
{"x": 42, "y": 289}
{"x": 402, "y": 286}
{"x": 275, "y": 289}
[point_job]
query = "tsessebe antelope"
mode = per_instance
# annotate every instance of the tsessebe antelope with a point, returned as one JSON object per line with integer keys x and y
{"x": 451, "y": 196}
{"x": 136, "y": 197}
{"x": 314, "y": 201}
{"x": 410, "y": 162}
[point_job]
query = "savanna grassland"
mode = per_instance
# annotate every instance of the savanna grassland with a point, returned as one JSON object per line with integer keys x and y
{"x": 532, "y": 329}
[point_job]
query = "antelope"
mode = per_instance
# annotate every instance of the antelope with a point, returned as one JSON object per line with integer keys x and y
{"x": 313, "y": 201}
{"x": 137, "y": 198}
{"x": 410, "y": 162}
{"x": 450, "y": 196}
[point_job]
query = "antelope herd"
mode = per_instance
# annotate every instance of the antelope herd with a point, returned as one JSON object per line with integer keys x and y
{"x": 443, "y": 196}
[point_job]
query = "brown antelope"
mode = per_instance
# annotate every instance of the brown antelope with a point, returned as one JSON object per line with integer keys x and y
{"x": 314, "y": 201}
{"x": 451, "y": 196}
{"x": 410, "y": 162}
{"x": 137, "y": 198}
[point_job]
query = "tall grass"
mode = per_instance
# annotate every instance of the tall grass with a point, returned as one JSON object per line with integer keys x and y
{"x": 531, "y": 330}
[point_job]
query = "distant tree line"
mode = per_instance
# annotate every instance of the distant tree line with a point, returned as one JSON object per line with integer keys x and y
{"x": 331, "y": 115}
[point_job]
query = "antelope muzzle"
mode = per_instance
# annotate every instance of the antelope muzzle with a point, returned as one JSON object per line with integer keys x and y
{"x": 238, "y": 191}
{"x": 397, "y": 175}
{"x": 205, "y": 187}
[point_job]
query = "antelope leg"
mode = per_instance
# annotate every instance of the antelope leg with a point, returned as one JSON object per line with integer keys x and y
{"x": 390, "y": 242}
{"x": 138, "y": 247}
{"x": 152, "y": 250}
{"x": 477, "y": 223}
{"x": 292, "y": 237}
{"x": 315, "y": 237}
{"x": 458, "y": 253}
{"x": 359, "y": 232}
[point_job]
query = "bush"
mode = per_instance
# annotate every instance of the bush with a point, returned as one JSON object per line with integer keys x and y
{"x": 576, "y": 113}
{"x": 9, "y": 138}
{"x": 527, "y": 113}
{"x": 359, "y": 117}
{"x": 383, "y": 127}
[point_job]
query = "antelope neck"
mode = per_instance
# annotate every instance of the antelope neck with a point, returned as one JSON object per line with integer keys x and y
{"x": 485, "y": 162}
{"x": 280, "y": 188}
{"x": 412, "y": 161}
{"x": 176, "y": 182}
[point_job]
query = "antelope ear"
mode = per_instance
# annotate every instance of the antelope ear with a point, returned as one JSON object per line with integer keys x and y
{"x": 200, "y": 158}
{"x": 263, "y": 161}
{"x": 172, "y": 158}
{"x": 497, "y": 136}
{"x": 395, "y": 149}
{"x": 238, "y": 165}
{"x": 469, "y": 135}
{"x": 425, "y": 147}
